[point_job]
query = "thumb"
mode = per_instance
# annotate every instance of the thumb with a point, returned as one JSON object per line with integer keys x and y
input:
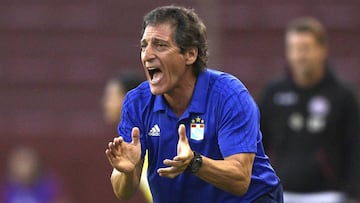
{"x": 182, "y": 133}
{"x": 135, "y": 135}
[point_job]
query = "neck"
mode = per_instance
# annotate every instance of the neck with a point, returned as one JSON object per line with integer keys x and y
{"x": 180, "y": 97}
{"x": 310, "y": 79}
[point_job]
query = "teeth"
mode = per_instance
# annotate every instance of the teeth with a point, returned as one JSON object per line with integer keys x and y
{"x": 152, "y": 71}
{"x": 153, "y": 68}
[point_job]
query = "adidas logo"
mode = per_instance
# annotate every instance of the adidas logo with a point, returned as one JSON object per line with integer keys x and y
{"x": 155, "y": 131}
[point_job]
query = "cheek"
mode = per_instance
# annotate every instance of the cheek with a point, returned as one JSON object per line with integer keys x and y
{"x": 176, "y": 69}
{"x": 111, "y": 104}
{"x": 299, "y": 51}
{"x": 300, "y": 56}
{"x": 293, "y": 53}
{"x": 293, "y": 57}
{"x": 319, "y": 55}
{"x": 107, "y": 103}
{"x": 117, "y": 104}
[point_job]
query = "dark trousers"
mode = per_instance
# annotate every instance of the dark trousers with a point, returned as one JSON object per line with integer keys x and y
{"x": 274, "y": 196}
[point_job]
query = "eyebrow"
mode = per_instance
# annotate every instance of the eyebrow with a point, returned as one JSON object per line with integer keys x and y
{"x": 154, "y": 40}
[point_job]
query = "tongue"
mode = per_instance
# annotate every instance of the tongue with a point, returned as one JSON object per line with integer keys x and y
{"x": 156, "y": 76}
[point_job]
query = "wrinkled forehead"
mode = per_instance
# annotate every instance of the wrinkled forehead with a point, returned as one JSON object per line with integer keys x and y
{"x": 163, "y": 30}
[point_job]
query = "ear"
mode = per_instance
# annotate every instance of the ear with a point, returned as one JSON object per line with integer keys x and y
{"x": 191, "y": 56}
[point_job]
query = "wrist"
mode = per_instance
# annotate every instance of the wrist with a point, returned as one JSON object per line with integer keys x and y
{"x": 195, "y": 163}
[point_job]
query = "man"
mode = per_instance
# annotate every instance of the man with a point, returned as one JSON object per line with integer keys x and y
{"x": 200, "y": 126}
{"x": 114, "y": 93}
{"x": 310, "y": 122}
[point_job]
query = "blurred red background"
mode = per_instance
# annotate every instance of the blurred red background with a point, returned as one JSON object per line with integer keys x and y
{"x": 55, "y": 57}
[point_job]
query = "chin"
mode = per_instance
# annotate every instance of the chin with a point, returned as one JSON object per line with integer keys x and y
{"x": 156, "y": 91}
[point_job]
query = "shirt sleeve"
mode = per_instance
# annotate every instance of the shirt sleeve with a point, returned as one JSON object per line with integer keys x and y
{"x": 130, "y": 118}
{"x": 239, "y": 124}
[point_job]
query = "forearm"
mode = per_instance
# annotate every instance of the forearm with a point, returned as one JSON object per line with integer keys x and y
{"x": 230, "y": 175}
{"x": 125, "y": 184}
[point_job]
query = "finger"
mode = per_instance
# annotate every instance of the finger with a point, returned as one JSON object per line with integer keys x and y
{"x": 182, "y": 133}
{"x": 169, "y": 172}
{"x": 117, "y": 141}
{"x": 111, "y": 146}
{"x": 108, "y": 153}
{"x": 114, "y": 150}
{"x": 109, "y": 156}
{"x": 181, "y": 158}
{"x": 174, "y": 163}
{"x": 167, "y": 175}
{"x": 135, "y": 134}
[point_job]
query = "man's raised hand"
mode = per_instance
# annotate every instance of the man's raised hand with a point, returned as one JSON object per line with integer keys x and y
{"x": 184, "y": 155}
{"x": 125, "y": 156}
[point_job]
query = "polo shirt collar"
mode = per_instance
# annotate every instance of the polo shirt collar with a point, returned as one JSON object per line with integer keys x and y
{"x": 199, "y": 97}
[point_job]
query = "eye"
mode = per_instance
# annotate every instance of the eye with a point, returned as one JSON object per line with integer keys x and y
{"x": 143, "y": 46}
{"x": 161, "y": 46}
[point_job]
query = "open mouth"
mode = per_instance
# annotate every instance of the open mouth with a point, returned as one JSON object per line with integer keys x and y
{"x": 153, "y": 72}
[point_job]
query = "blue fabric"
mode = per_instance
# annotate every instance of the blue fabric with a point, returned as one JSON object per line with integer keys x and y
{"x": 274, "y": 196}
{"x": 222, "y": 119}
{"x": 44, "y": 190}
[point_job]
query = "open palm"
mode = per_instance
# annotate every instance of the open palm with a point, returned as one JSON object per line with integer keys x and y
{"x": 125, "y": 156}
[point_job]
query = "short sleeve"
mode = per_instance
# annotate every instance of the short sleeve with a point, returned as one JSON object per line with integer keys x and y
{"x": 239, "y": 124}
{"x": 129, "y": 119}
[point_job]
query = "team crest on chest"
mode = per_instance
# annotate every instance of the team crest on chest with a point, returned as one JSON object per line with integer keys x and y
{"x": 197, "y": 129}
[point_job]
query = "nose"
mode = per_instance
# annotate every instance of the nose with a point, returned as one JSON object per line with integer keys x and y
{"x": 147, "y": 53}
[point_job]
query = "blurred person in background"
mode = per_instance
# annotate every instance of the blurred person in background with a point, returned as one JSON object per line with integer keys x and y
{"x": 114, "y": 93}
{"x": 27, "y": 180}
{"x": 310, "y": 122}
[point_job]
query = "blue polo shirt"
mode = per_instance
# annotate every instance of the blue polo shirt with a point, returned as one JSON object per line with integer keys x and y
{"x": 222, "y": 119}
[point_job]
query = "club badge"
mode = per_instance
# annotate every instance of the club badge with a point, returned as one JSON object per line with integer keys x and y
{"x": 197, "y": 129}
